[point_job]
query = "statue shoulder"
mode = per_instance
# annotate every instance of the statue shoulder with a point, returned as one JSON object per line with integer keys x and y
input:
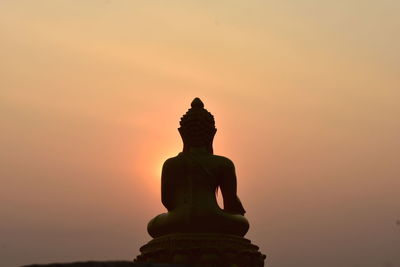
{"x": 173, "y": 162}
{"x": 224, "y": 161}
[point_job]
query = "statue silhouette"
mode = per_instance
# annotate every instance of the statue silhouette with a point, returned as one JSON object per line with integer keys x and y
{"x": 195, "y": 230}
{"x": 190, "y": 180}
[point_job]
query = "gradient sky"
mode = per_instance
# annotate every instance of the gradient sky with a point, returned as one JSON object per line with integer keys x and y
{"x": 305, "y": 96}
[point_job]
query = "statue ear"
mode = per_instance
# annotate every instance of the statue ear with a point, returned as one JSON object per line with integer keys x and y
{"x": 213, "y": 135}
{"x": 185, "y": 146}
{"x": 181, "y": 134}
{"x": 210, "y": 145}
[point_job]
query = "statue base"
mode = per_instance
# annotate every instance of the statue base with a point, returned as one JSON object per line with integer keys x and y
{"x": 208, "y": 249}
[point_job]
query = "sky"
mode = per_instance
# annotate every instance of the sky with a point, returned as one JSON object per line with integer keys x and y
{"x": 305, "y": 97}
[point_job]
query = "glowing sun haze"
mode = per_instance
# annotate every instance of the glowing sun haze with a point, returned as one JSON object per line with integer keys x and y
{"x": 305, "y": 96}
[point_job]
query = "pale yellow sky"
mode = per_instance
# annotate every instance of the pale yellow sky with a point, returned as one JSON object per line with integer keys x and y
{"x": 305, "y": 99}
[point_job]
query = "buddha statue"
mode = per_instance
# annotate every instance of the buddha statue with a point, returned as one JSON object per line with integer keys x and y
{"x": 190, "y": 182}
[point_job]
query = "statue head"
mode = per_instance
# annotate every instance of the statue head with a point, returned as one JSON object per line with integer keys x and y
{"x": 197, "y": 127}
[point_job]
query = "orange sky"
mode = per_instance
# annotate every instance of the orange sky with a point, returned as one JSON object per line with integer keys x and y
{"x": 305, "y": 96}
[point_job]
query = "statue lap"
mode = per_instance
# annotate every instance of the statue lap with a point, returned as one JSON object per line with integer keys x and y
{"x": 168, "y": 223}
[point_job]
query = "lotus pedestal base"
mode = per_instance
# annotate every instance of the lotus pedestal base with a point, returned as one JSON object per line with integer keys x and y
{"x": 202, "y": 250}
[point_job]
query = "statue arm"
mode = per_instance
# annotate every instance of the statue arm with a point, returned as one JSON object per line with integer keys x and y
{"x": 166, "y": 186}
{"x": 228, "y": 187}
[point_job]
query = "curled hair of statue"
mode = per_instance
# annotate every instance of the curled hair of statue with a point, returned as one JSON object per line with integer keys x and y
{"x": 197, "y": 126}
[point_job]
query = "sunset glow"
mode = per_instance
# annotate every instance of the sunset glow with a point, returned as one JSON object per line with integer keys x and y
{"x": 305, "y": 97}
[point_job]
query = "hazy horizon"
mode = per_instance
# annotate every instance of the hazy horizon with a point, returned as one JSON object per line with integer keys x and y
{"x": 305, "y": 97}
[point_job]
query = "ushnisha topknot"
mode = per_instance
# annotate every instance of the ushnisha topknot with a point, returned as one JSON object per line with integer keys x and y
{"x": 197, "y": 103}
{"x": 197, "y": 125}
